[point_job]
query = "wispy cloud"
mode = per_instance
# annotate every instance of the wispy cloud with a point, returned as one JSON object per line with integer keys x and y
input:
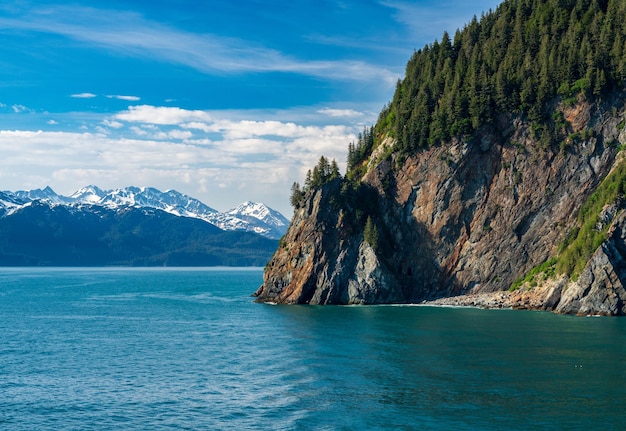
{"x": 126, "y": 98}
{"x": 393, "y": 46}
{"x": 131, "y": 34}
{"x": 152, "y": 132}
{"x": 83, "y": 95}
{"x": 338, "y": 113}
{"x": 149, "y": 117}
{"x": 112, "y": 124}
{"x": 18, "y": 109}
{"x": 423, "y": 21}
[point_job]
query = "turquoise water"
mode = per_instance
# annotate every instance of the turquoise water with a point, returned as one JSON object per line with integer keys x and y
{"x": 169, "y": 349}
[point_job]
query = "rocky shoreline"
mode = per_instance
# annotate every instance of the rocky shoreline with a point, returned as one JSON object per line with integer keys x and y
{"x": 560, "y": 295}
{"x": 518, "y": 300}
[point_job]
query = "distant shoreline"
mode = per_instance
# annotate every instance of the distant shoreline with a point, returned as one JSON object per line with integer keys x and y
{"x": 126, "y": 267}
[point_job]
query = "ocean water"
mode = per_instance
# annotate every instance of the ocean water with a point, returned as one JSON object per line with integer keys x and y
{"x": 172, "y": 349}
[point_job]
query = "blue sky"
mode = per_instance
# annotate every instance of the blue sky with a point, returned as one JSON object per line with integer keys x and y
{"x": 224, "y": 101}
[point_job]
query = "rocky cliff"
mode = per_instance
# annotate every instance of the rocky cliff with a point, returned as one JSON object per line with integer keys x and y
{"x": 495, "y": 175}
{"x": 600, "y": 289}
{"x": 464, "y": 218}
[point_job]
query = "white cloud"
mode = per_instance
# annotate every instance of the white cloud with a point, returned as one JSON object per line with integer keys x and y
{"x": 112, "y": 124}
{"x": 152, "y": 132}
{"x": 337, "y": 113}
{"x": 18, "y": 109}
{"x": 249, "y": 129}
{"x": 220, "y": 162}
{"x": 126, "y": 98}
{"x": 246, "y": 129}
{"x": 83, "y": 95}
{"x": 52, "y": 122}
{"x": 205, "y": 127}
{"x": 177, "y": 134}
{"x": 138, "y": 131}
{"x": 160, "y": 115}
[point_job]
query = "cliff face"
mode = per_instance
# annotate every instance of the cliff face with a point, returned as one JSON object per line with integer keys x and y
{"x": 600, "y": 289}
{"x": 468, "y": 217}
{"x": 323, "y": 260}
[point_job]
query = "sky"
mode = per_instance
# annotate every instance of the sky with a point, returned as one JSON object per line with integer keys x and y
{"x": 225, "y": 101}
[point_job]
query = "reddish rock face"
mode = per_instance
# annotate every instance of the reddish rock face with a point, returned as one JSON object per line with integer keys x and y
{"x": 467, "y": 217}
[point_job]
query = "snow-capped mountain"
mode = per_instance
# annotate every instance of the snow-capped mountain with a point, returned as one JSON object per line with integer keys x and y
{"x": 249, "y": 216}
{"x": 9, "y": 202}
{"x": 39, "y": 233}
{"x": 252, "y": 212}
{"x": 46, "y": 195}
{"x": 170, "y": 201}
{"x": 88, "y": 194}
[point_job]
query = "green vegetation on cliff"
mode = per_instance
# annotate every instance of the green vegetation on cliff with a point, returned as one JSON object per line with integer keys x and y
{"x": 593, "y": 223}
{"x": 323, "y": 173}
{"x": 517, "y": 60}
{"x": 359, "y": 152}
{"x": 543, "y": 272}
{"x": 514, "y": 60}
{"x": 370, "y": 233}
{"x": 592, "y": 229}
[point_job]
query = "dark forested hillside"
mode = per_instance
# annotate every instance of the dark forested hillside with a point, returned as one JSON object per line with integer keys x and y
{"x": 516, "y": 59}
{"x": 57, "y": 235}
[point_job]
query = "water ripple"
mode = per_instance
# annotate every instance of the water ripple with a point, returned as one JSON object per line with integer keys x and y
{"x": 181, "y": 350}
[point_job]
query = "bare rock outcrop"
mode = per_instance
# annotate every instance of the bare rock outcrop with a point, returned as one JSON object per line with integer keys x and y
{"x": 323, "y": 260}
{"x": 600, "y": 289}
{"x": 465, "y": 218}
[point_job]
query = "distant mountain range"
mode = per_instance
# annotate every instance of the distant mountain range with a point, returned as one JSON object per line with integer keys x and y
{"x": 249, "y": 216}
{"x": 132, "y": 226}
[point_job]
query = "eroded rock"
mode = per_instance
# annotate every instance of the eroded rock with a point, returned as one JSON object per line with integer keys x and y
{"x": 467, "y": 218}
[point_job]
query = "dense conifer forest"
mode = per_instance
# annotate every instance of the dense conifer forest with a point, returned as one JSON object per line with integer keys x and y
{"x": 515, "y": 60}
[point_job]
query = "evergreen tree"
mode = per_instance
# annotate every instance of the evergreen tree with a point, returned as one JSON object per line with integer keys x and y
{"x": 334, "y": 170}
{"x": 296, "y": 195}
{"x": 370, "y": 233}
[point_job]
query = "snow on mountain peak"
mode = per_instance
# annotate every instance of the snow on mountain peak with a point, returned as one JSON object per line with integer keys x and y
{"x": 272, "y": 222}
{"x": 47, "y": 195}
{"x": 250, "y": 208}
{"x": 249, "y": 216}
{"x": 8, "y": 202}
{"x": 88, "y": 194}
